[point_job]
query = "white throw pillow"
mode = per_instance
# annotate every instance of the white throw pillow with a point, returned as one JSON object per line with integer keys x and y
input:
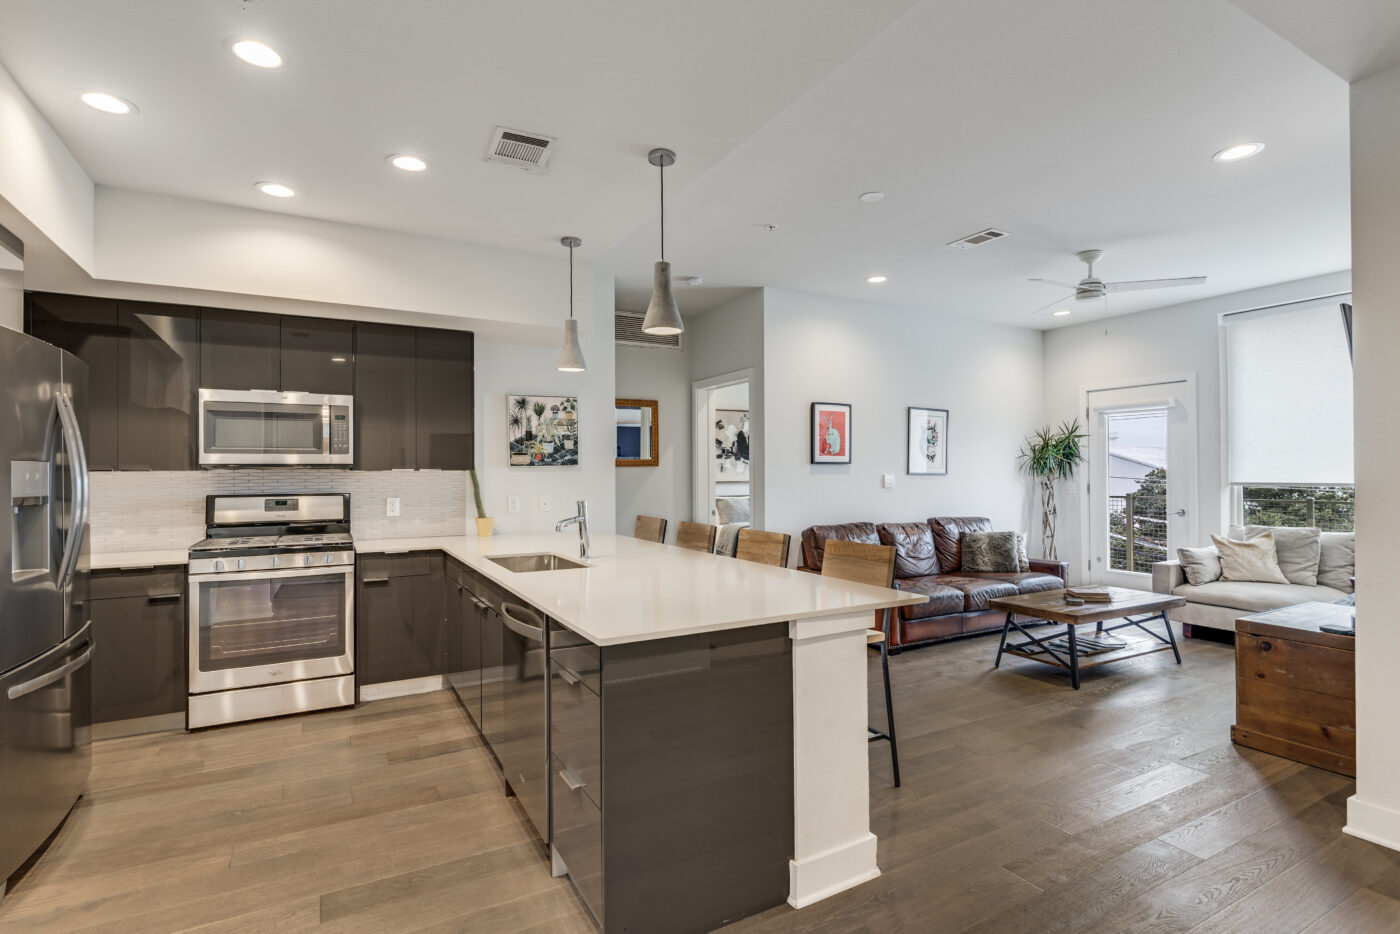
{"x": 1337, "y": 564}
{"x": 1255, "y": 560}
{"x": 1299, "y": 549}
{"x": 1201, "y": 565}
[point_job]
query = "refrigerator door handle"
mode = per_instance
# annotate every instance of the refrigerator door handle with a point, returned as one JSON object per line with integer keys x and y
{"x": 84, "y": 635}
{"x": 77, "y": 455}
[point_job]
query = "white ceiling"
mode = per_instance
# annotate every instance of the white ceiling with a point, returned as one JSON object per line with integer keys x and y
{"x": 1354, "y": 38}
{"x": 1070, "y": 123}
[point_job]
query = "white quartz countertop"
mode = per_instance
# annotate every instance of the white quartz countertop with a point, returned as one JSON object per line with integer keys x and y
{"x": 164, "y": 557}
{"x": 632, "y": 591}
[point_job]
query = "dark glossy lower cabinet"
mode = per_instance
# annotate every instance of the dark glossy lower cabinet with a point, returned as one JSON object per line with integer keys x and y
{"x": 400, "y": 631}
{"x": 139, "y": 662}
{"x": 671, "y": 776}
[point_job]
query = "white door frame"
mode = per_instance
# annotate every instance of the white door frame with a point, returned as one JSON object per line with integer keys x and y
{"x": 703, "y": 489}
{"x": 1188, "y": 482}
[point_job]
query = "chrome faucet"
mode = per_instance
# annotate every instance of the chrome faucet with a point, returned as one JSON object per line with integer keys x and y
{"x": 585, "y": 547}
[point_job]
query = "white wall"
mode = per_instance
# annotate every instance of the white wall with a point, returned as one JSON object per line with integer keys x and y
{"x": 11, "y": 295}
{"x": 727, "y": 339}
{"x": 661, "y": 374}
{"x": 1374, "y": 812}
{"x": 504, "y": 369}
{"x": 1165, "y": 342}
{"x": 881, "y": 360}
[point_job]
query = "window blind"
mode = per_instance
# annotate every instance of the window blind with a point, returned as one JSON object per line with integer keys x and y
{"x": 1289, "y": 391}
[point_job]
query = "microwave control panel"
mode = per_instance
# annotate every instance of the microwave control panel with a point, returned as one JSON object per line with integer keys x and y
{"x": 340, "y": 429}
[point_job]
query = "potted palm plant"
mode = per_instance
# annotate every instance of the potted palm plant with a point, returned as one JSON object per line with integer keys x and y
{"x": 485, "y": 525}
{"x": 1049, "y": 456}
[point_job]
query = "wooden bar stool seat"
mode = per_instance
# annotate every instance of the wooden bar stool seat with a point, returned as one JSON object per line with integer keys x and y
{"x": 696, "y": 536}
{"x": 763, "y": 547}
{"x": 650, "y": 529}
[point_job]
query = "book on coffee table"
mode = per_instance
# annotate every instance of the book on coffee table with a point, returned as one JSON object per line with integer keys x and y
{"x": 1090, "y": 594}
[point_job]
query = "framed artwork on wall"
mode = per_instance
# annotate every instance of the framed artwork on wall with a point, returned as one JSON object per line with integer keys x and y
{"x": 831, "y": 433}
{"x": 543, "y": 430}
{"x": 928, "y": 441}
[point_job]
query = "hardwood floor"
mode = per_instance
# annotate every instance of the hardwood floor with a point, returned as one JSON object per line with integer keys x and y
{"x": 1026, "y": 807}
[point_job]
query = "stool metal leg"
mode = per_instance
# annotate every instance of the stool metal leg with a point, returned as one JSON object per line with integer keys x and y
{"x": 889, "y": 714}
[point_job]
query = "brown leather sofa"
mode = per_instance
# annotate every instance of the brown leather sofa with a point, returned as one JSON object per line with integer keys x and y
{"x": 928, "y": 560}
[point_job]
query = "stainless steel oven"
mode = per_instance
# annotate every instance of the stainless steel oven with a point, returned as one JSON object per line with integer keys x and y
{"x": 260, "y": 427}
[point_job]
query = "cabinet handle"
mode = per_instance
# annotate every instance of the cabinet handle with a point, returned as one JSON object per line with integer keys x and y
{"x": 567, "y": 675}
{"x": 375, "y": 580}
{"x": 520, "y": 626}
{"x": 164, "y": 597}
{"x": 572, "y": 780}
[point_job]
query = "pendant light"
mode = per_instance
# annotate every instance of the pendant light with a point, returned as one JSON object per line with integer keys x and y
{"x": 571, "y": 354}
{"x": 663, "y": 317}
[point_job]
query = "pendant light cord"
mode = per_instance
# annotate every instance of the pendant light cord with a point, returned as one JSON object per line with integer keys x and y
{"x": 663, "y": 212}
{"x": 571, "y": 283}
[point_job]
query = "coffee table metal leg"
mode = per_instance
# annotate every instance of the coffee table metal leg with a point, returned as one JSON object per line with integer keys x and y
{"x": 1005, "y": 628}
{"x": 1073, "y": 656}
{"x": 1166, "y": 621}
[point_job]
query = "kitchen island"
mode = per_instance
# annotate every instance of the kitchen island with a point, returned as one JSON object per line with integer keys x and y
{"x": 703, "y": 676}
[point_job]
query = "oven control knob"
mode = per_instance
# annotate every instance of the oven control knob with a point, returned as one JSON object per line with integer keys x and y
{"x": 330, "y": 559}
{"x": 240, "y": 564}
{"x": 218, "y": 565}
{"x": 274, "y": 561}
{"x": 308, "y": 560}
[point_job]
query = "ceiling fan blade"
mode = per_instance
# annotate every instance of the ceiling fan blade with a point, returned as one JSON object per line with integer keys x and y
{"x": 1056, "y": 283}
{"x": 1138, "y": 285}
{"x": 1064, "y": 302}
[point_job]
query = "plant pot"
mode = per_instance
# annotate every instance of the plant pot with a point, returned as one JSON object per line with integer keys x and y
{"x": 484, "y": 527}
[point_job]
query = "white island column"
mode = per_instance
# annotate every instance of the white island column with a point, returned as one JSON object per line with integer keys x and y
{"x": 833, "y": 847}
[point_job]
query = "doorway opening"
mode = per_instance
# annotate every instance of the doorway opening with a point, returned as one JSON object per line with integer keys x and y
{"x": 725, "y": 455}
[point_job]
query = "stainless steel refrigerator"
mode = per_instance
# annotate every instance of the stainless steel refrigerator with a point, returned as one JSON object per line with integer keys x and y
{"x": 45, "y": 633}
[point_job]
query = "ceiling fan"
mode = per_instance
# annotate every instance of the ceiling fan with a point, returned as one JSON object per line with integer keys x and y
{"x": 1091, "y": 287}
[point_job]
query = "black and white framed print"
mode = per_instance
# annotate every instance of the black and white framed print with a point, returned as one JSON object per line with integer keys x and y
{"x": 928, "y": 441}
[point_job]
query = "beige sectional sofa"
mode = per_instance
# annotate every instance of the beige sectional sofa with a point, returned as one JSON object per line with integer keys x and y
{"x": 1219, "y": 603}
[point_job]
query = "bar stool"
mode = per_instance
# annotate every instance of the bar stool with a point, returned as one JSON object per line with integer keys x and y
{"x": 696, "y": 536}
{"x": 650, "y": 529}
{"x": 763, "y": 547}
{"x": 869, "y": 564}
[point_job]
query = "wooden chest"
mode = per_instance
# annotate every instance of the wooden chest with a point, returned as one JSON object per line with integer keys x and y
{"x": 1295, "y": 686}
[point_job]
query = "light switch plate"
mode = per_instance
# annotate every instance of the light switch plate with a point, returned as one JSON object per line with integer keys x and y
{"x": 391, "y": 506}
{"x": 887, "y": 481}
{"x": 512, "y": 504}
{"x": 545, "y": 504}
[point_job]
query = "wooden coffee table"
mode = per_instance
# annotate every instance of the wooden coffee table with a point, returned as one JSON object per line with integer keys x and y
{"x": 1135, "y": 607}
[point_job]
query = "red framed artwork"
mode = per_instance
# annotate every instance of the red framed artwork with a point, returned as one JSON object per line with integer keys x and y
{"x": 831, "y": 433}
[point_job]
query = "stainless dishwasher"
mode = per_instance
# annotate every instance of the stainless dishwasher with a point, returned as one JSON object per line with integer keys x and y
{"x": 524, "y": 748}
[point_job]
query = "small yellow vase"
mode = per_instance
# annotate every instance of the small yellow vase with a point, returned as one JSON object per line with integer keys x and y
{"x": 484, "y": 527}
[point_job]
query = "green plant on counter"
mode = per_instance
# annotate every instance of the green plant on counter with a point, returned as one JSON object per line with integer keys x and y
{"x": 1051, "y": 455}
{"x": 476, "y": 493}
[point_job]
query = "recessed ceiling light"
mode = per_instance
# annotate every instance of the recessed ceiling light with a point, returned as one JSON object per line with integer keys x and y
{"x": 109, "y": 103}
{"x": 1237, "y": 152}
{"x": 870, "y": 197}
{"x": 876, "y": 279}
{"x": 257, "y": 53}
{"x": 408, "y": 163}
{"x": 276, "y": 189}
{"x": 1061, "y": 313}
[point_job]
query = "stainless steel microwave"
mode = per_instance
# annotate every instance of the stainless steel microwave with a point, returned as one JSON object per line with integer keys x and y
{"x": 262, "y": 427}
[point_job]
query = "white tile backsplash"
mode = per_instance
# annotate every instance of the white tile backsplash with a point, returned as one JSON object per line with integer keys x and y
{"x": 141, "y": 510}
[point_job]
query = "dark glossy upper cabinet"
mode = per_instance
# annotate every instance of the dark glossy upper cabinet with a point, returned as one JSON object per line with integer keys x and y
{"x": 157, "y": 385}
{"x": 444, "y": 399}
{"x": 384, "y": 397}
{"x": 317, "y": 356}
{"x": 238, "y": 349}
{"x": 87, "y": 328}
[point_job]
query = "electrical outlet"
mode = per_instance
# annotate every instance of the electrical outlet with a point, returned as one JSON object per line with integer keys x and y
{"x": 887, "y": 481}
{"x": 512, "y": 504}
{"x": 391, "y": 506}
{"x": 545, "y": 504}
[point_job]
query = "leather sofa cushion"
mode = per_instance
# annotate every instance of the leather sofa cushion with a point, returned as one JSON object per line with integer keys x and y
{"x": 814, "y": 539}
{"x": 942, "y": 599}
{"x": 1254, "y": 597}
{"x": 977, "y": 591}
{"x": 914, "y": 552}
{"x": 1025, "y": 581}
{"x": 931, "y": 629}
{"x": 947, "y": 537}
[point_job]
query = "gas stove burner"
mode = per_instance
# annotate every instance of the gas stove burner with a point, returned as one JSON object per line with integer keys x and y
{"x": 323, "y": 538}
{"x": 244, "y": 541}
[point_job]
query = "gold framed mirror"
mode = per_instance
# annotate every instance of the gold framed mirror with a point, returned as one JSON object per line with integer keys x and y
{"x": 638, "y": 432}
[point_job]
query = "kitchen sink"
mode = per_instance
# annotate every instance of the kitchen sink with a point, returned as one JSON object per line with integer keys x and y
{"x": 542, "y": 562}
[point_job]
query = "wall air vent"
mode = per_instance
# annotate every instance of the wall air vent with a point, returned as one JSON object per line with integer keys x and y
{"x": 979, "y": 238}
{"x": 630, "y": 333}
{"x": 529, "y": 151}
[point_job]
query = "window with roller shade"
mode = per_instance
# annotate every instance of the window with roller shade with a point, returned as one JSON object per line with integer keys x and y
{"x": 1289, "y": 394}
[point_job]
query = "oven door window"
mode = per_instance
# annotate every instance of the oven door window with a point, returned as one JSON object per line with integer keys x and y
{"x": 272, "y": 620}
{"x": 252, "y": 428}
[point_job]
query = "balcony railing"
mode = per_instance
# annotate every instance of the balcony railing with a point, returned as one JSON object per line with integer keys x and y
{"x": 1330, "y": 515}
{"x": 1137, "y": 532}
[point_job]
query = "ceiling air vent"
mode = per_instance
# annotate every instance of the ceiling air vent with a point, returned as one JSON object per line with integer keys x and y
{"x": 529, "y": 151}
{"x": 979, "y": 238}
{"x": 630, "y": 333}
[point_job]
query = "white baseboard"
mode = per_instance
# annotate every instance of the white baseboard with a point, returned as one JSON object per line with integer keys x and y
{"x": 1373, "y": 822}
{"x": 387, "y": 689}
{"x": 823, "y": 875}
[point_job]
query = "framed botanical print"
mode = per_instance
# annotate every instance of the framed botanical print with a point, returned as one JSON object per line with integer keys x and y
{"x": 831, "y": 433}
{"x": 542, "y": 430}
{"x": 928, "y": 441}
